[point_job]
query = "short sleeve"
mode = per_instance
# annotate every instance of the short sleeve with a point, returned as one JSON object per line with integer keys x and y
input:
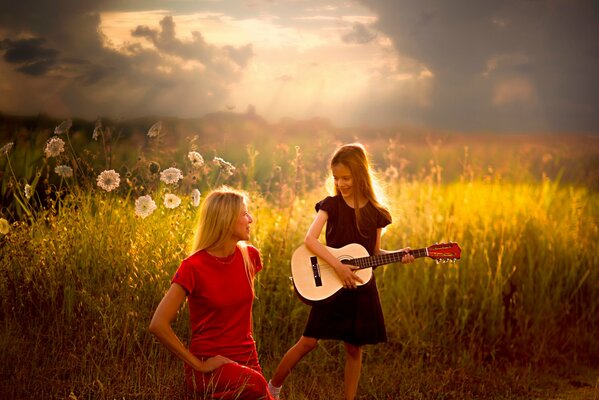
{"x": 382, "y": 220}
{"x": 185, "y": 277}
{"x": 326, "y": 204}
{"x": 255, "y": 257}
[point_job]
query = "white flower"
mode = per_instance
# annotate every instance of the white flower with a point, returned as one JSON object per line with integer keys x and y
{"x": 4, "y": 226}
{"x": 155, "y": 130}
{"x": 64, "y": 170}
{"x": 28, "y": 191}
{"x": 6, "y": 148}
{"x": 54, "y": 147}
{"x": 63, "y": 127}
{"x": 196, "y": 159}
{"x": 171, "y": 200}
{"x": 226, "y": 167}
{"x": 195, "y": 197}
{"x": 97, "y": 130}
{"x": 109, "y": 180}
{"x": 171, "y": 175}
{"x": 144, "y": 206}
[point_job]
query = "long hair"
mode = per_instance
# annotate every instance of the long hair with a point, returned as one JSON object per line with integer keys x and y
{"x": 218, "y": 214}
{"x": 355, "y": 158}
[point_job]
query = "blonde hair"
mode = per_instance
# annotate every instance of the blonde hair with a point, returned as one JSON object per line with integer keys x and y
{"x": 218, "y": 214}
{"x": 355, "y": 158}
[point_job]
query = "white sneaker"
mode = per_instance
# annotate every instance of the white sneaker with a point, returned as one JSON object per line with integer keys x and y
{"x": 275, "y": 391}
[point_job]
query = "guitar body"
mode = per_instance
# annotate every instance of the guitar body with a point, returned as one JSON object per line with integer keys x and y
{"x": 306, "y": 269}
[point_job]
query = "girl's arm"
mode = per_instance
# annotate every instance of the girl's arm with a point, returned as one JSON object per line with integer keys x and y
{"x": 346, "y": 274}
{"x": 408, "y": 258}
{"x": 161, "y": 327}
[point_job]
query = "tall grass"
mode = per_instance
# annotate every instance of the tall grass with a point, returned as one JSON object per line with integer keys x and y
{"x": 78, "y": 290}
{"x": 81, "y": 274}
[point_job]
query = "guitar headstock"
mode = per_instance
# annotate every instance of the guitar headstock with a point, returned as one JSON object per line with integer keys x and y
{"x": 444, "y": 252}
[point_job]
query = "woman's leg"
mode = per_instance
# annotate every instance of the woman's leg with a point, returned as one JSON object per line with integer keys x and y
{"x": 303, "y": 346}
{"x": 353, "y": 366}
{"x": 231, "y": 381}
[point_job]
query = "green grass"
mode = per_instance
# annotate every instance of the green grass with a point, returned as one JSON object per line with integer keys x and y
{"x": 78, "y": 289}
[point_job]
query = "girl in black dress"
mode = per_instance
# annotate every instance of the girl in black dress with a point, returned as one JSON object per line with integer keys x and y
{"x": 354, "y": 315}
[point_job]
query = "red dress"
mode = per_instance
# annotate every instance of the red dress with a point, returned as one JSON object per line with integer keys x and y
{"x": 220, "y": 301}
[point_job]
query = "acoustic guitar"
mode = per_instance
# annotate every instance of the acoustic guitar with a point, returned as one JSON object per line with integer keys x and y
{"x": 316, "y": 281}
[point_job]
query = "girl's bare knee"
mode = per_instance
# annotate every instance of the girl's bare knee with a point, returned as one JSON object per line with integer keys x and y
{"x": 307, "y": 344}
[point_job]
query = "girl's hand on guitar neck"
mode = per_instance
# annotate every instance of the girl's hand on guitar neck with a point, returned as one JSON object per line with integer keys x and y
{"x": 408, "y": 258}
{"x": 347, "y": 275}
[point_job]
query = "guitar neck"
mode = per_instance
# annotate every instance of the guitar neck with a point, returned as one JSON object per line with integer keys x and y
{"x": 383, "y": 259}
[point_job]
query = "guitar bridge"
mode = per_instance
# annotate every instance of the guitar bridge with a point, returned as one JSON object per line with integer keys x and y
{"x": 316, "y": 271}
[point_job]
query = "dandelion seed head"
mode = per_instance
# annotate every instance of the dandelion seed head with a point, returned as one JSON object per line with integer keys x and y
{"x": 196, "y": 159}
{"x": 195, "y": 197}
{"x": 144, "y": 206}
{"x": 154, "y": 167}
{"x": 109, "y": 180}
{"x": 227, "y": 169}
{"x": 63, "y": 127}
{"x": 4, "y": 226}
{"x": 97, "y": 130}
{"x": 171, "y": 175}
{"x": 171, "y": 200}
{"x": 155, "y": 130}
{"x": 6, "y": 148}
{"x": 54, "y": 147}
{"x": 28, "y": 191}
{"x": 64, "y": 170}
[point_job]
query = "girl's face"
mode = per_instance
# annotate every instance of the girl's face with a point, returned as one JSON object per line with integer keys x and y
{"x": 344, "y": 182}
{"x": 241, "y": 229}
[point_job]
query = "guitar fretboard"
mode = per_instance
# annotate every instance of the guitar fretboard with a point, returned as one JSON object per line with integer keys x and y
{"x": 382, "y": 259}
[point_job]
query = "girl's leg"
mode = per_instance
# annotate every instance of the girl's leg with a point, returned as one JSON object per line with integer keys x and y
{"x": 303, "y": 346}
{"x": 353, "y": 366}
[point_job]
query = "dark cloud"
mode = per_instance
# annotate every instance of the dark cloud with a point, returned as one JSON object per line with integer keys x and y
{"x": 31, "y": 55}
{"x": 509, "y": 64}
{"x": 66, "y": 50}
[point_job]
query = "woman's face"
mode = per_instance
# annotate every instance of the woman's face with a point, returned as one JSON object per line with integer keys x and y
{"x": 241, "y": 229}
{"x": 344, "y": 182}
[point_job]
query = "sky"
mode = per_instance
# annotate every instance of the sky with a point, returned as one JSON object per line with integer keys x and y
{"x": 460, "y": 65}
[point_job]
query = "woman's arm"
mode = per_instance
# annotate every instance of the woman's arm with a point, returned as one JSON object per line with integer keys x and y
{"x": 346, "y": 274}
{"x": 161, "y": 327}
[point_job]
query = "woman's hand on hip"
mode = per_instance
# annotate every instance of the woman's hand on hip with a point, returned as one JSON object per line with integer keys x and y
{"x": 213, "y": 363}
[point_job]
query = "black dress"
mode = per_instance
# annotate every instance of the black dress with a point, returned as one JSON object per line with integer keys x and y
{"x": 353, "y": 315}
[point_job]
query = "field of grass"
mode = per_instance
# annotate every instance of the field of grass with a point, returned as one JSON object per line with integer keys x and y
{"x": 80, "y": 274}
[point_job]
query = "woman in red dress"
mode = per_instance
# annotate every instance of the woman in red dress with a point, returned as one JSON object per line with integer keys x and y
{"x": 218, "y": 281}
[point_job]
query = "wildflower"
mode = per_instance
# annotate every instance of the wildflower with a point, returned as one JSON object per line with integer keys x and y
{"x": 6, "y": 148}
{"x": 54, "y": 147}
{"x": 226, "y": 167}
{"x": 4, "y": 226}
{"x": 155, "y": 129}
{"x": 144, "y": 206}
{"x": 195, "y": 197}
{"x": 196, "y": 159}
{"x": 171, "y": 175}
{"x": 97, "y": 129}
{"x": 154, "y": 167}
{"x": 63, "y": 127}
{"x": 109, "y": 180}
{"x": 28, "y": 191}
{"x": 171, "y": 200}
{"x": 64, "y": 170}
